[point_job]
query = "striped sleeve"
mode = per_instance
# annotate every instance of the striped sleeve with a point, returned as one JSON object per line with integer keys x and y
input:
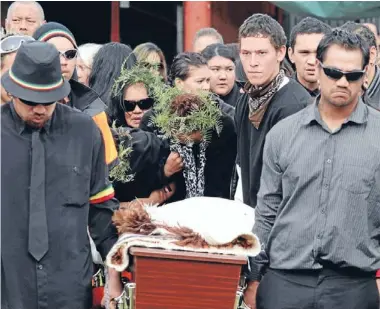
{"x": 103, "y": 196}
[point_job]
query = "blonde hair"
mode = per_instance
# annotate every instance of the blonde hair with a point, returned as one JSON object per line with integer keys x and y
{"x": 143, "y": 51}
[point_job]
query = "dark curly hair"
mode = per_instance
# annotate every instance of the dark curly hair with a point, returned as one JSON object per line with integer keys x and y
{"x": 263, "y": 25}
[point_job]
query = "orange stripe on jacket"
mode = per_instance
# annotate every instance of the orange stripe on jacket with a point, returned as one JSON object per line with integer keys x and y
{"x": 109, "y": 143}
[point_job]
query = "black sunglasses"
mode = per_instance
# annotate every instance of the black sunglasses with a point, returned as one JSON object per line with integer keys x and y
{"x": 33, "y": 104}
{"x": 12, "y": 43}
{"x": 129, "y": 106}
{"x": 336, "y": 74}
{"x": 69, "y": 54}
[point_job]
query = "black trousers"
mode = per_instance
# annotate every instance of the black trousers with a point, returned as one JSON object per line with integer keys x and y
{"x": 324, "y": 289}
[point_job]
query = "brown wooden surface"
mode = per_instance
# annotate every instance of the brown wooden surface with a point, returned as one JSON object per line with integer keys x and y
{"x": 187, "y": 255}
{"x": 176, "y": 280}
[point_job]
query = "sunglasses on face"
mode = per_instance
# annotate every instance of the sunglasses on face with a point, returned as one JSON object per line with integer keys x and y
{"x": 157, "y": 66}
{"x": 33, "y": 104}
{"x": 69, "y": 54}
{"x": 336, "y": 74}
{"x": 129, "y": 106}
{"x": 12, "y": 43}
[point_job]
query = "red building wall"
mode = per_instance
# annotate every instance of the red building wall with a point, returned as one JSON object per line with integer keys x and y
{"x": 227, "y": 16}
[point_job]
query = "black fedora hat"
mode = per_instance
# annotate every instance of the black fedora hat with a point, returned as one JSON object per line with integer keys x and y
{"x": 36, "y": 74}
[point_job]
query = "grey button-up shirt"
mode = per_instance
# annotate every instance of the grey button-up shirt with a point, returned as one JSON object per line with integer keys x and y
{"x": 319, "y": 200}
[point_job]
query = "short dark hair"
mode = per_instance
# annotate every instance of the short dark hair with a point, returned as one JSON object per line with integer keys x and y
{"x": 215, "y": 50}
{"x": 346, "y": 39}
{"x": 308, "y": 25}
{"x": 263, "y": 25}
{"x": 181, "y": 65}
{"x": 361, "y": 30}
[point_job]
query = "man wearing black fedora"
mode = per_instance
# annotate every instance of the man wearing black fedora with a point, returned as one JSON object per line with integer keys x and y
{"x": 54, "y": 184}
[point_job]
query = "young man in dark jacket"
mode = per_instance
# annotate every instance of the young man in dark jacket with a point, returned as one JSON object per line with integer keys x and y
{"x": 269, "y": 96}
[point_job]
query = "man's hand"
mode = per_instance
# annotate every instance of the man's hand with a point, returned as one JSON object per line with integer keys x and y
{"x": 250, "y": 294}
{"x": 173, "y": 164}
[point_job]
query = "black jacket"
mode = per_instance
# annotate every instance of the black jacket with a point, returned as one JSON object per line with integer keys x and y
{"x": 146, "y": 160}
{"x": 290, "y": 99}
{"x": 233, "y": 97}
{"x": 86, "y": 100}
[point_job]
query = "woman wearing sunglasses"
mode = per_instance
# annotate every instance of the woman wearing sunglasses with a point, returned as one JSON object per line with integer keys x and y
{"x": 135, "y": 100}
{"x": 151, "y": 56}
{"x": 142, "y": 172}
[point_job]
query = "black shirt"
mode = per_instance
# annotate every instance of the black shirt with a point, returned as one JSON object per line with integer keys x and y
{"x": 288, "y": 100}
{"x": 78, "y": 195}
{"x": 314, "y": 93}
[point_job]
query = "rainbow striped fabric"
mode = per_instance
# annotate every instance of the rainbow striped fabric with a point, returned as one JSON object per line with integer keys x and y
{"x": 103, "y": 196}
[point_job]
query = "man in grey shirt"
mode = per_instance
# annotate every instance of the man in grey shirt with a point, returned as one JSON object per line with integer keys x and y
{"x": 318, "y": 210}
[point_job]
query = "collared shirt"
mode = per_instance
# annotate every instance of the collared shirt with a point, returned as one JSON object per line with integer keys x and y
{"x": 319, "y": 200}
{"x": 78, "y": 195}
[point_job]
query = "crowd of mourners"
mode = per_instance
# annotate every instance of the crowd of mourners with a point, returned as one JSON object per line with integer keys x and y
{"x": 290, "y": 127}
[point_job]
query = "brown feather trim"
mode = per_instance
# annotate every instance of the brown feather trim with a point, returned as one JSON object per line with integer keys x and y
{"x": 133, "y": 219}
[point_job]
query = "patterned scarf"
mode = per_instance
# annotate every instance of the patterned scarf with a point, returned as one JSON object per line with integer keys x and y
{"x": 193, "y": 173}
{"x": 260, "y": 97}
